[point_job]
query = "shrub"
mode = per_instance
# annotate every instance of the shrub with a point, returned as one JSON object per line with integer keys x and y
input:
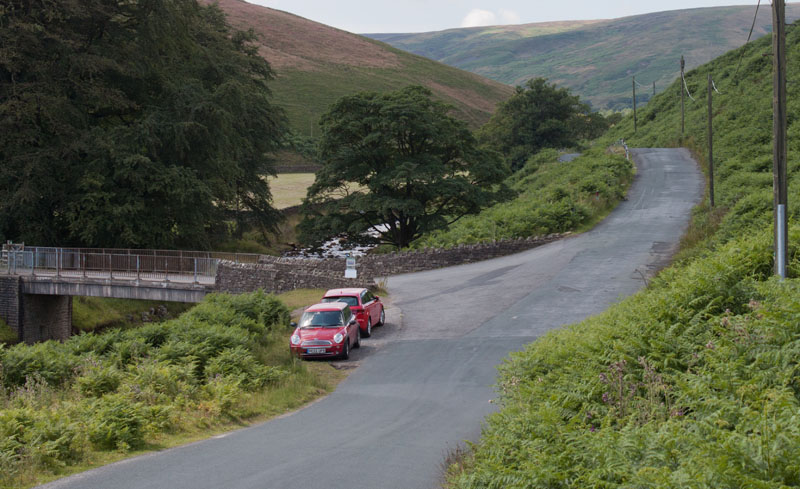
{"x": 96, "y": 380}
{"x": 242, "y": 365}
{"x": 116, "y": 423}
{"x": 47, "y": 360}
{"x": 154, "y": 381}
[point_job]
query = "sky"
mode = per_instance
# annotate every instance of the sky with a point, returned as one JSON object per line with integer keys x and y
{"x": 385, "y": 16}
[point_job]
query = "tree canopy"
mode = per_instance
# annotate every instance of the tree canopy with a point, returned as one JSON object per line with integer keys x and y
{"x": 139, "y": 124}
{"x": 398, "y": 163}
{"x": 540, "y": 115}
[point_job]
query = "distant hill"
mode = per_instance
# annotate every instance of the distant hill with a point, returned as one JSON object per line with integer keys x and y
{"x": 317, "y": 64}
{"x": 595, "y": 59}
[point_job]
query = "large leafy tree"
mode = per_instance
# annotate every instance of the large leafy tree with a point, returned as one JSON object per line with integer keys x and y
{"x": 130, "y": 123}
{"x": 398, "y": 163}
{"x": 540, "y": 115}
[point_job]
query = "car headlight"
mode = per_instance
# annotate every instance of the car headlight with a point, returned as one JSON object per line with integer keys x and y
{"x": 295, "y": 339}
{"x": 338, "y": 338}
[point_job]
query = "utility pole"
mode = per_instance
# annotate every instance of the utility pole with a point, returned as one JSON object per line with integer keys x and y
{"x": 683, "y": 65}
{"x": 654, "y": 89}
{"x": 710, "y": 145}
{"x": 779, "y": 148}
{"x": 633, "y": 84}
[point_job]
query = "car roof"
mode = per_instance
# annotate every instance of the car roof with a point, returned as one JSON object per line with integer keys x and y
{"x": 328, "y": 306}
{"x": 338, "y": 292}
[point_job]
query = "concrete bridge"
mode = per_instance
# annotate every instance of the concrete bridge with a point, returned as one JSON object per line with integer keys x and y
{"x": 37, "y": 284}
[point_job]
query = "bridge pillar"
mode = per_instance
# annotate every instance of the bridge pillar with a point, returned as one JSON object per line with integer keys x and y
{"x": 11, "y": 302}
{"x": 34, "y": 317}
{"x": 46, "y": 317}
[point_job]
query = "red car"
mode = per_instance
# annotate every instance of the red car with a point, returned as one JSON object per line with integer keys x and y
{"x": 366, "y": 306}
{"x": 326, "y": 330}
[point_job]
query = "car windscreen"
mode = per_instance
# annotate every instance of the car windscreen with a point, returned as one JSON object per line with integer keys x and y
{"x": 347, "y": 299}
{"x": 317, "y": 319}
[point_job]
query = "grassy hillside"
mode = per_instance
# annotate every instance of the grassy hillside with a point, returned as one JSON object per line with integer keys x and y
{"x": 691, "y": 383}
{"x": 597, "y": 60}
{"x": 441, "y": 45}
{"x": 551, "y": 197}
{"x": 317, "y": 64}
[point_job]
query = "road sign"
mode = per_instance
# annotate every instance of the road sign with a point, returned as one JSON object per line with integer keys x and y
{"x": 350, "y": 270}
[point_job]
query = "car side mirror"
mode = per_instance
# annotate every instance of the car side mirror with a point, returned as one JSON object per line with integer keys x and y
{"x": 293, "y": 324}
{"x": 377, "y": 298}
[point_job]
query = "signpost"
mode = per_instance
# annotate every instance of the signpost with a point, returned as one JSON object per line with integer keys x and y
{"x": 350, "y": 270}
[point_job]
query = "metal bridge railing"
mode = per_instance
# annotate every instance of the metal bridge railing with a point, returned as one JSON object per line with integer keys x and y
{"x": 183, "y": 266}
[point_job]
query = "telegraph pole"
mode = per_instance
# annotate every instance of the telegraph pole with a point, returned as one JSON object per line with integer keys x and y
{"x": 779, "y": 148}
{"x": 654, "y": 89}
{"x": 633, "y": 84}
{"x": 710, "y": 145}
{"x": 683, "y": 65}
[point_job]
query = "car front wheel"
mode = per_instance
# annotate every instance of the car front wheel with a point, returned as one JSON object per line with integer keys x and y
{"x": 346, "y": 349}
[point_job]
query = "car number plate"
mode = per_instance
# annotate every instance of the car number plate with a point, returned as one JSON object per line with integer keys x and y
{"x": 312, "y": 351}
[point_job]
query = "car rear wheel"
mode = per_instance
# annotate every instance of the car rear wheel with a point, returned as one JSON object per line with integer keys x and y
{"x": 357, "y": 344}
{"x": 383, "y": 318}
{"x": 346, "y": 349}
{"x": 368, "y": 331}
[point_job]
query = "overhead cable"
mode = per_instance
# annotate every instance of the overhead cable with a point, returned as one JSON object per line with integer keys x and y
{"x": 748, "y": 40}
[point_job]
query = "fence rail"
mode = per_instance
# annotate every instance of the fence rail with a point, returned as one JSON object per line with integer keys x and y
{"x": 148, "y": 265}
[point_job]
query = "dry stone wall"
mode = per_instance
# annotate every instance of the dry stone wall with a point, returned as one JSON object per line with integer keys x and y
{"x": 280, "y": 274}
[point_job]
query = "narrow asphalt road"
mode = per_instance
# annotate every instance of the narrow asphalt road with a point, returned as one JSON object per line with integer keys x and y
{"x": 425, "y": 379}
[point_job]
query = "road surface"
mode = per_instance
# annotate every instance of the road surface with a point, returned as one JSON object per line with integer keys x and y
{"x": 425, "y": 379}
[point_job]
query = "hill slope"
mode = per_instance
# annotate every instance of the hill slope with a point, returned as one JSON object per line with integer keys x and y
{"x": 693, "y": 382}
{"x": 317, "y": 64}
{"x": 595, "y": 60}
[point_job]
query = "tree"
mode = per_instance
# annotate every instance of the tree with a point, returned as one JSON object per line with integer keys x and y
{"x": 142, "y": 124}
{"x": 539, "y": 115}
{"x": 399, "y": 164}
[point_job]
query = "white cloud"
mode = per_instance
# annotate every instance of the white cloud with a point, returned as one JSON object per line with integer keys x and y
{"x": 477, "y": 17}
{"x": 509, "y": 17}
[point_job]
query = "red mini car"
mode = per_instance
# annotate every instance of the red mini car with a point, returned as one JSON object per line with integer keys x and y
{"x": 366, "y": 306}
{"x": 326, "y": 330}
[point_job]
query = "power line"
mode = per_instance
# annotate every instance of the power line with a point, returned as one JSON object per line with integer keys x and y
{"x": 753, "y": 26}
